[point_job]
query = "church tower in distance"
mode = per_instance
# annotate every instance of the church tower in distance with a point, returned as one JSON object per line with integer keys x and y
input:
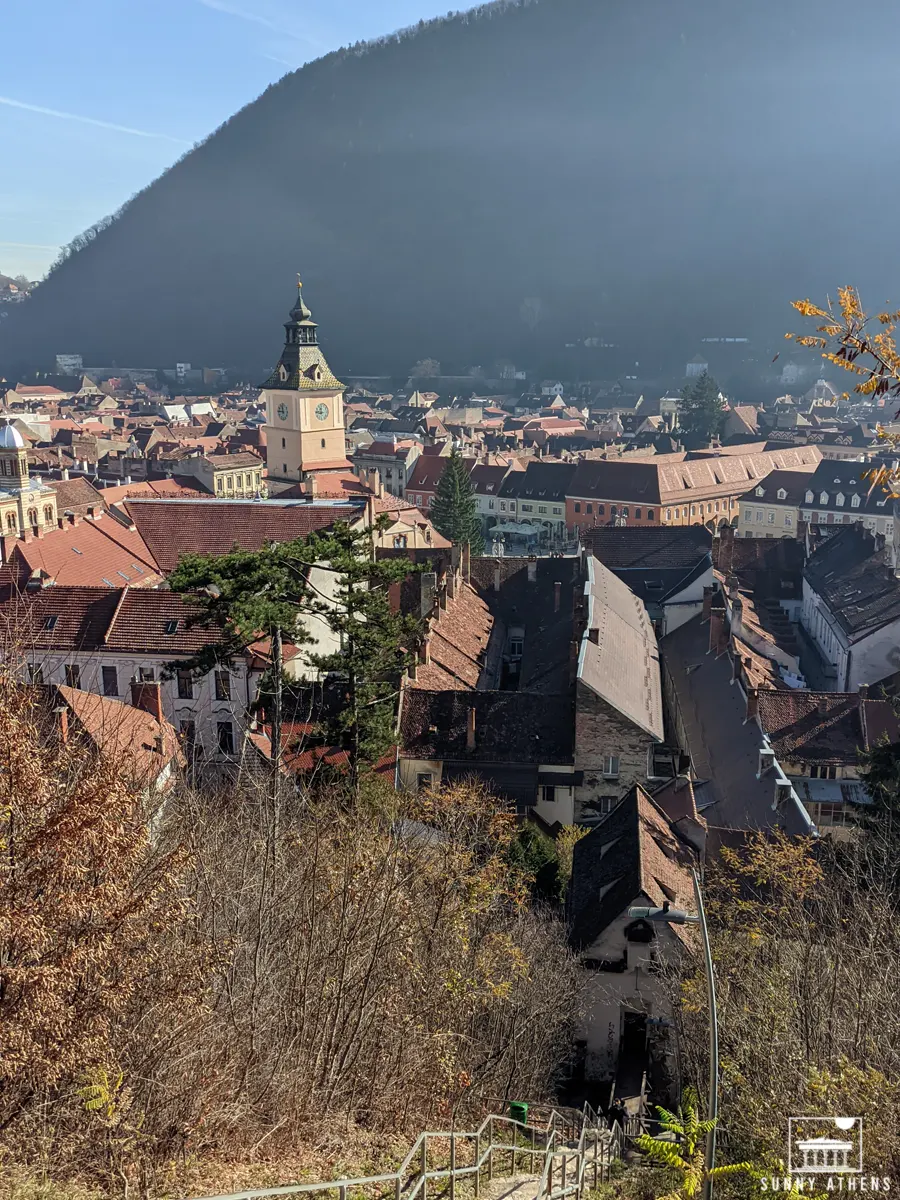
{"x": 304, "y": 405}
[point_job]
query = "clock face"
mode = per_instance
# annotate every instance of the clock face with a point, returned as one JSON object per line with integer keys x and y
{"x": 322, "y": 412}
{"x": 282, "y": 412}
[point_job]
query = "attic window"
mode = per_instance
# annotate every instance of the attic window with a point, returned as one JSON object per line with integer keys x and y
{"x": 282, "y": 372}
{"x": 50, "y": 622}
{"x": 854, "y": 501}
{"x": 839, "y": 499}
{"x": 760, "y": 491}
{"x": 809, "y": 497}
{"x": 823, "y": 497}
{"x": 782, "y": 494}
{"x": 171, "y": 627}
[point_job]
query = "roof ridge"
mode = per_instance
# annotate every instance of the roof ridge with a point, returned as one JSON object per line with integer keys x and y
{"x": 148, "y": 562}
{"x": 116, "y": 612}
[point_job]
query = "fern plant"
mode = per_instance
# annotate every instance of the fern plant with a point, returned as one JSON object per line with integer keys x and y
{"x": 682, "y": 1148}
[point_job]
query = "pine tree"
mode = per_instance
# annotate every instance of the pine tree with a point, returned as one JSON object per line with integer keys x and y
{"x": 248, "y": 595}
{"x": 454, "y": 510}
{"x": 702, "y": 409}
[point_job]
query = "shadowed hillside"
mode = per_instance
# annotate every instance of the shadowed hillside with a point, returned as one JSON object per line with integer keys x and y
{"x": 677, "y": 167}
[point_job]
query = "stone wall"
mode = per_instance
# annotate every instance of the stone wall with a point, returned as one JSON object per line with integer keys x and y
{"x": 601, "y": 730}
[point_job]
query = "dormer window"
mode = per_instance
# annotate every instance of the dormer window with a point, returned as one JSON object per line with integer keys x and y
{"x": 839, "y": 499}
{"x": 823, "y": 498}
{"x": 282, "y": 372}
{"x": 760, "y": 491}
{"x": 782, "y": 494}
{"x": 809, "y": 497}
{"x": 854, "y": 501}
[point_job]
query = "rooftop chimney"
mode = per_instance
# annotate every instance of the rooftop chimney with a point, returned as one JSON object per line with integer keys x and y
{"x": 470, "y": 729}
{"x": 62, "y": 722}
{"x": 863, "y": 691}
{"x": 147, "y": 695}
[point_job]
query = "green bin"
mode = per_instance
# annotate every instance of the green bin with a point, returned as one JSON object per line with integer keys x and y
{"x": 518, "y": 1111}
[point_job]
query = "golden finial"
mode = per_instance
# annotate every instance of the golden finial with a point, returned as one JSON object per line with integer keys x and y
{"x": 299, "y": 283}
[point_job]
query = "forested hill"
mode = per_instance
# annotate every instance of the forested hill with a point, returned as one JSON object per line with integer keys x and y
{"x": 677, "y": 167}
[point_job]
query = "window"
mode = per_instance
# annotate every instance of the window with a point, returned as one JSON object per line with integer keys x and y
{"x": 11, "y": 522}
{"x": 32, "y": 517}
{"x": 668, "y": 514}
{"x": 611, "y": 767}
{"x": 225, "y": 736}
{"x": 170, "y": 627}
{"x": 219, "y": 483}
{"x": 770, "y": 517}
{"x": 48, "y": 515}
{"x": 605, "y": 804}
{"x": 557, "y": 511}
{"x": 284, "y": 468}
{"x": 839, "y": 499}
{"x": 35, "y": 673}
{"x": 73, "y": 675}
{"x": 424, "y": 780}
{"x": 503, "y": 506}
{"x": 185, "y": 685}
{"x": 782, "y": 494}
{"x": 601, "y": 509}
{"x": 223, "y": 685}
{"x": 542, "y": 508}
{"x": 613, "y": 510}
{"x": 823, "y": 772}
{"x": 418, "y": 500}
{"x": 491, "y": 504}
{"x": 577, "y": 507}
{"x": 637, "y": 514}
{"x": 146, "y": 675}
{"x": 624, "y": 510}
{"x": 548, "y": 793}
{"x": 515, "y": 647}
{"x": 589, "y": 508}
{"x": 50, "y": 622}
{"x": 788, "y": 520}
{"x": 717, "y": 506}
{"x": 759, "y": 515}
{"x": 110, "y": 681}
{"x": 748, "y": 514}
{"x": 283, "y": 444}
{"x": 527, "y": 508}
{"x": 823, "y": 498}
{"x": 760, "y": 491}
{"x": 854, "y": 501}
{"x": 323, "y": 443}
{"x": 809, "y": 497}
{"x": 708, "y": 509}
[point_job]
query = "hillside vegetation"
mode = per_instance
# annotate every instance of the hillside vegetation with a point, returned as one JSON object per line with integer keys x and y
{"x": 501, "y": 183}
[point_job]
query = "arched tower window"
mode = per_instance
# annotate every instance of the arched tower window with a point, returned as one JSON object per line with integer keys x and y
{"x": 33, "y": 517}
{"x": 11, "y": 522}
{"x": 48, "y": 514}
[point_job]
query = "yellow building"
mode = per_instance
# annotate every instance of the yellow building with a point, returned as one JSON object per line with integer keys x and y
{"x": 304, "y": 405}
{"x": 26, "y": 504}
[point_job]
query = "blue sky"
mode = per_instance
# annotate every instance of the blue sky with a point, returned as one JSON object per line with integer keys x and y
{"x": 100, "y": 96}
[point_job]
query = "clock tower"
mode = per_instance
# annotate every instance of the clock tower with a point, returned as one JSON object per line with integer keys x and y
{"x": 304, "y": 405}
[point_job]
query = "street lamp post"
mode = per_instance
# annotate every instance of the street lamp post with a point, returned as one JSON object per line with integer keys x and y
{"x": 677, "y": 916}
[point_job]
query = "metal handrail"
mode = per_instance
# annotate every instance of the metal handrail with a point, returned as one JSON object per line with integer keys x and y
{"x": 409, "y": 1182}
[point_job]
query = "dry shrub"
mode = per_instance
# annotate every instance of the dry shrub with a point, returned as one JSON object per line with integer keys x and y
{"x": 806, "y": 942}
{"x": 248, "y": 975}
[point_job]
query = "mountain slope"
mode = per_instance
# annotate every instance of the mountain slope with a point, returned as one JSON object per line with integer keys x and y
{"x": 667, "y": 168}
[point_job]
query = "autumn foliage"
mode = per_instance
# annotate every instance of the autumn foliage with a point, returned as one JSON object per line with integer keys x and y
{"x": 203, "y": 984}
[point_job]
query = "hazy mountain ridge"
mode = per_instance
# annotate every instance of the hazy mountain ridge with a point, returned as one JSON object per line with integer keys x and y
{"x": 667, "y": 168}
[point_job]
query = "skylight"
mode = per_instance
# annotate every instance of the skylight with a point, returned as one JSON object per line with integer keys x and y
{"x": 50, "y": 622}
{"x": 122, "y": 573}
{"x": 171, "y": 627}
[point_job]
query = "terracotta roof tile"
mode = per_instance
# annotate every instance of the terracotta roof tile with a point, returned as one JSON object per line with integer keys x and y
{"x": 172, "y": 528}
{"x": 90, "y": 554}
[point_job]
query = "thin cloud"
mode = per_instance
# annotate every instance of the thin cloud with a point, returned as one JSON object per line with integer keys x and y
{"x": 283, "y": 29}
{"x": 30, "y": 245}
{"x": 67, "y": 116}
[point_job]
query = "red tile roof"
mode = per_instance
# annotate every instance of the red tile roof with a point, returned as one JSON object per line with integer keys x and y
{"x": 98, "y": 553}
{"x": 86, "y": 618}
{"x": 172, "y": 528}
{"x": 458, "y": 644}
